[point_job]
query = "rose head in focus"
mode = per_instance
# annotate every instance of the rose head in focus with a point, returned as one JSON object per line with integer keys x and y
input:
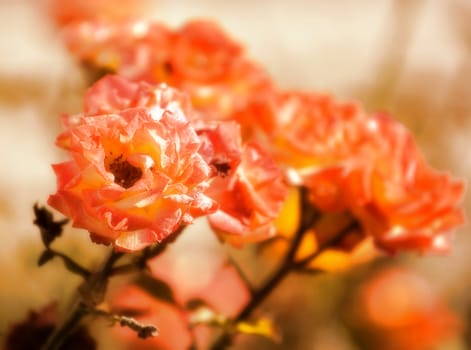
{"x": 135, "y": 175}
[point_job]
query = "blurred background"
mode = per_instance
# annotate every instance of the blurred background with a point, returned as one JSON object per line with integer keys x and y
{"x": 411, "y": 58}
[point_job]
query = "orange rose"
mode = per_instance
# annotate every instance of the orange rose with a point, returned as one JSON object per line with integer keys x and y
{"x": 398, "y": 199}
{"x": 406, "y": 205}
{"x": 199, "y": 58}
{"x": 70, "y": 11}
{"x": 305, "y": 131}
{"x": 315, "y": 137}
{"x": 366, "y": 165}
{"x": 135, "y": 174}
{"x": 136, "y": 49}
{"x": 250, "y": 198}
{"x": 397, "y": 309}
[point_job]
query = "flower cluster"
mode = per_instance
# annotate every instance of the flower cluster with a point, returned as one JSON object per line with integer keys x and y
{"x": 189, "y": 127}
{"x": 365, "y": 164}
{"x": 349, "y": 160}
{"x": 140, "y": 170}
{"x": 198, "y": 58}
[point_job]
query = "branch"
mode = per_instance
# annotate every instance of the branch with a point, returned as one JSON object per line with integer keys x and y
{"x": 242, "y": 275}
{"x": 309, "y": 217}
{"x": 143, "y": 330}
{"x": 335, "y": 239}
{"x": 139, "y": 262}
{"x": 69, "y": 263}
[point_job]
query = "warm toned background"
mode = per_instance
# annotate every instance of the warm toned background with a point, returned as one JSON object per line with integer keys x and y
{"x": 409, "y": 57}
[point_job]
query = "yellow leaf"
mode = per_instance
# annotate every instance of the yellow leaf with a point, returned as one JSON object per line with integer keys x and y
{"x": 288, "y": 219}
{"x": 263, "y": 326}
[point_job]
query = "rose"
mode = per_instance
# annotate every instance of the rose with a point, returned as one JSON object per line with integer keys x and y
{"x": 398, "y": 309}
{"x": 250, "y": 198}
{"x": 367, "y": 165}
{"x": 199, "y": 58}
{"x": 405, "y": 204}
{"x": 136, "y": 175}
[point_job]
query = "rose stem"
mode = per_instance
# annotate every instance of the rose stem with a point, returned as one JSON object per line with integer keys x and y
{"x": 96, "y": 282}
{"x": 289, "y": 264}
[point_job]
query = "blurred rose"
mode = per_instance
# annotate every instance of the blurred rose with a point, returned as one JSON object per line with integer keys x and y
{"x": 198, "y": 58}
{"x": 135, "y": 174}
{"x": 366, "y": 165}
{"x": 65, "y": 12}
{"x": 306, "y": 131}
{"x": 195, "y": 269}
{"x": 397, "y": 309}
{"x": 407, "y": 205}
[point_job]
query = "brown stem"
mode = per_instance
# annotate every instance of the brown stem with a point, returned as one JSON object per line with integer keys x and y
{"x": 92, "y": 288}
{"x": 71, "y": 264}
{"x": 140, "y": 261}
{"x": 309, "y": 217}
{"x": 60, "y": 334}
{"x": 334, "y": 240}
{"x": 143, "y": 330}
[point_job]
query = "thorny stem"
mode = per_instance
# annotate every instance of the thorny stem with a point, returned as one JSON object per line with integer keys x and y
{"x": 289, "y": 264}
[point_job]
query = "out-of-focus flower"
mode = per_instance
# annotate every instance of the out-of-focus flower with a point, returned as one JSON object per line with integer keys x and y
{"x": 199, "y": 275}
{"x": 250, "y": 198}
{"x": 406, "y": 204}
{"x": 214, "y": 70}
{"x": 306, "y": 131}
{"x": 33, "y": 332}
{"x": 366, "y": 165}
{"x": 397, "y": 309}
{"x": 134, "y": 302}
{"x": 136, "y": 49}
{"x": 135, "y": 174}
{"x": 66, "y": 12}
{"x": 198, "y": 58}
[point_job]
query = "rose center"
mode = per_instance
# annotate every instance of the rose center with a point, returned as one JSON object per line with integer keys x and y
{"x": 125, "y": 174}
{"x": 222, "y": 167}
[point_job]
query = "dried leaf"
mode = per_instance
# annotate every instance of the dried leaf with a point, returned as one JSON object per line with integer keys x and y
{"x": 45, "y": 257}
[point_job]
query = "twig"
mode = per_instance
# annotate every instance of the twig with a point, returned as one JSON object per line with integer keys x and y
{"x": 329, "y": 243}
{"x": 309, "y": 217}
{"x": 143, "y": 330}
{"x": 92, "y": 292}
{"x": 71, "y": 264}
{"x": 242, "y": 275}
